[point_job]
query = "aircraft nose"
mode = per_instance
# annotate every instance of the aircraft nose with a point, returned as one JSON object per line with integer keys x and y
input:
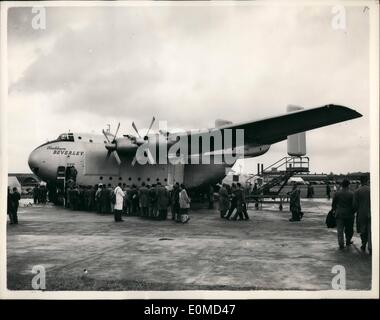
{"x": 33, "y": 161}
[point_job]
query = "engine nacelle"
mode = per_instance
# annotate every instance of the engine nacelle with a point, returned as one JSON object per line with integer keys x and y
{"x": 125, "y": 145}
{"x": 254, "y": 151}
{"x": 220, "y": 123}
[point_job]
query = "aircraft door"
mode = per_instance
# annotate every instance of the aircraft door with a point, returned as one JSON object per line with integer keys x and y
{"x": 61, "y": 175}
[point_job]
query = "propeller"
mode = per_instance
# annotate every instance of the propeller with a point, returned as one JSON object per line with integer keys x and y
{"x": 134, "y": 127}
{"x": 139, "y": 142}
{"x": 143, "y": 140}
{"x": 117, "y": 130}
{"x": 150, "y": 126}
{"x": 111, "y": 146}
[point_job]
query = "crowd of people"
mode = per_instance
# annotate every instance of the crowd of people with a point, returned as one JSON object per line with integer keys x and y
{"x": 232, "y": 198}
{"x": 40, "y": 194}
{"x": 154, "y": 202}
{"x": 146, "y": 201}
{"x": 345, "y": 205}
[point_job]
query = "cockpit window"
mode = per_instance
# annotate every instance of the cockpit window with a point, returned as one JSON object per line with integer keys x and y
{"x": 66, "y": 137}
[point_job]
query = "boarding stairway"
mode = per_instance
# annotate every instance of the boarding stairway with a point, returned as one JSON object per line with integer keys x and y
{"x": 274, "y": 178}
{"x": 64, "y": 179}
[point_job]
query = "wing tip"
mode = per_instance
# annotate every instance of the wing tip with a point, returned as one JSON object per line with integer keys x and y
{"x": 348, "y": 112}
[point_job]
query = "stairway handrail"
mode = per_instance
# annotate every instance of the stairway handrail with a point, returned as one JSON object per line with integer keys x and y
{"x": 272, "y": 165}
{"x": 286, "y": 158}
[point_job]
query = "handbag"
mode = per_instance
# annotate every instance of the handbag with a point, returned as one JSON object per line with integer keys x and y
{"x": 185, "y": 218}
{"x": 330, "y": 219}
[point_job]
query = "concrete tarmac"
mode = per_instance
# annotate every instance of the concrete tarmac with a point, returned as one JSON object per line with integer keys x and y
{"x": 88, "y": 251}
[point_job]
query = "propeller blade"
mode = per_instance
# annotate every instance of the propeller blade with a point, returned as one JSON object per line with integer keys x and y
{"x": 118, "y": 160}
{"x": 150, "y": 157}
{"x": 134, "y": 127}
{"x": 106, "y": 136}
{"x": 117, "y": 130}
{"x": 150, "y": 127}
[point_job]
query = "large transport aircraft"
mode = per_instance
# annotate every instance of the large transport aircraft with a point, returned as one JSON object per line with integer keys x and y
{"x": 110, "y": 159}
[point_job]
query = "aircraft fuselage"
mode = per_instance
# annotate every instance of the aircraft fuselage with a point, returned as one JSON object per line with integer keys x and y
{"x": 87, "y": 153}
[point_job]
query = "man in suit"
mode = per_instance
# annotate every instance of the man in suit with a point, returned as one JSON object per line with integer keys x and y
{"x": 126, "y": 203}
{"x": 295, "y": 204}
{"x": 174, "y": 201}
{"x": 233, "y": 201}
{"x": 75, "y": 198}
{"x": 152, "y": 202}
{"x": 36, "y": 196}
{"x": 109, "y": 199}
{"x": 98, "y": 203}
{"x": 91, "y": 198}
{"x": 224, "y": 201}
{"x": 362, "y": 206}
{"x": 163, "y": 201}
{"x": 134, "y": 198}
{"x": 9, "y": 205}
{"x": 240, "y": 204}
{"x": 344, "y": 212}
{"x": 105, "y": 201}
{"x": 210, "y": 197}
{"x": 328, "y": 191}
{"x": 144, "y": 200}
{"x": 15, "y": 198}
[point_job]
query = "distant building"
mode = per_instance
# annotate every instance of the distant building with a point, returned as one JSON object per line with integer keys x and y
{"x": 24, "y": 182}
{"x": 26, "y": 179}
{"x": 13, "y": 182}
{"x": 332, "y": 178}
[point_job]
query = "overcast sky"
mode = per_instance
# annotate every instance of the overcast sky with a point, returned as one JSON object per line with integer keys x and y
{"x": 188, "y": 65}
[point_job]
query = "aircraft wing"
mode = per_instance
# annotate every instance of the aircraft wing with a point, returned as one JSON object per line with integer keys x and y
{"x": 276, "y": 129}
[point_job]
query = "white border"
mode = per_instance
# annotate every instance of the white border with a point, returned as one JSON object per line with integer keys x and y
{"x": 201, "y": 294}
